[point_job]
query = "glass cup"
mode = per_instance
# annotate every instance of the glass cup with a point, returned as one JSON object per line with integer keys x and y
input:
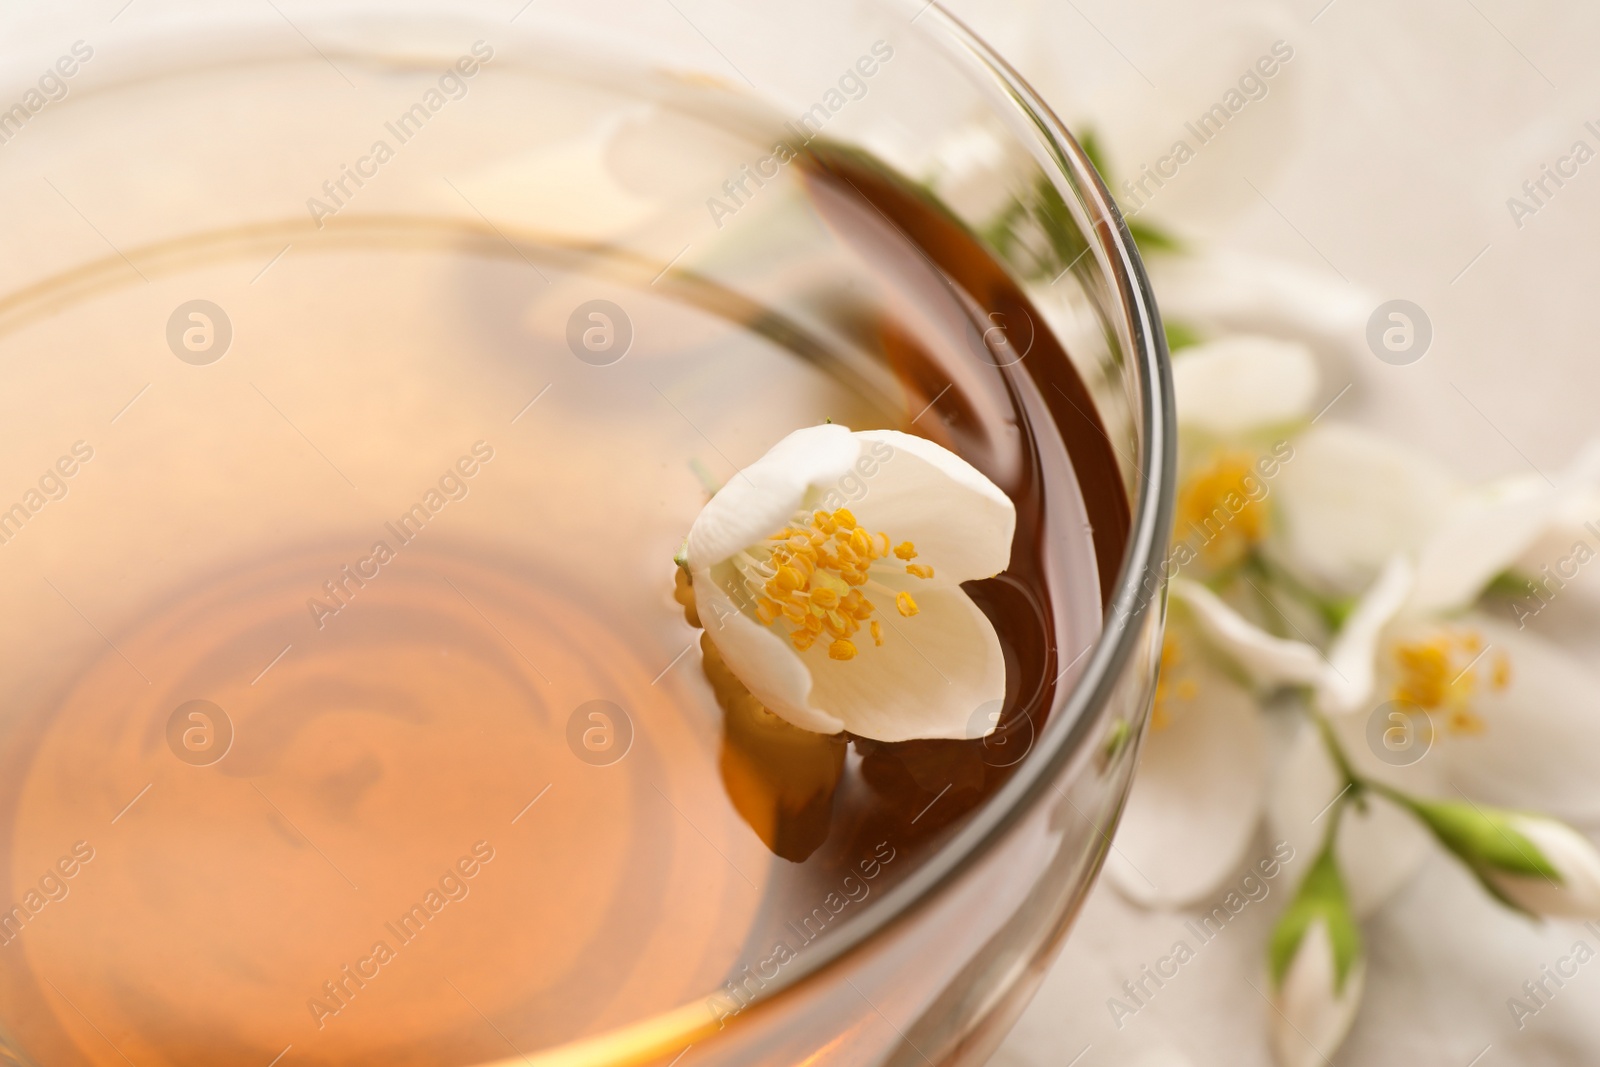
{"x": 214, "y": 308}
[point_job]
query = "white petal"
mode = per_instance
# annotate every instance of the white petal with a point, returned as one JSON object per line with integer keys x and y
{"x": 936, "y": 671}
{"x": 1379, "y": 849}
{"x": 1577, "y": 896}
{"x": 1196, "y": 798}
{"x": 1484, "y": 535}
{"x": 929, "y": 678}
{"x": 1224, "y": 291}
{"x": 760, "y": 499}
{"x": 1349, "y": 500}
{"x": 1541, "y": 731}
{"x": 1575, "y": 521}
{"x": 1352, "y": 660}
{"x": 1492, "y": 527}
{"x": 1237, "y": 384}
{"x": 1312, "y": 1019}
{"x": 960, "y": 521}
{"x": 1269, "y": 660}
{"x": 768, "y": 664}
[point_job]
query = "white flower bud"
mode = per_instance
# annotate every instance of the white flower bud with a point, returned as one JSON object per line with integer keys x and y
{"x": 1313, "y": 1011}
{"x": 1572, "y": 889}
{"x": 1531, "y": 862}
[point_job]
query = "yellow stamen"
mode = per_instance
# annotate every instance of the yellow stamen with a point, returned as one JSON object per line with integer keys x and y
{"x": 815, "y": 573}
{"x": 1440, "y": 673}
{"x": 861, "y": 543}
{"x": 1222, "y": 504}
{"x": 1501, "y": 677}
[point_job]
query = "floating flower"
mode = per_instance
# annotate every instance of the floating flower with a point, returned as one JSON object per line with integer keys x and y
{"x": 828, "y": 575}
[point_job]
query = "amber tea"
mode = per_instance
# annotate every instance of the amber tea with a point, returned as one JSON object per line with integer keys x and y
{"x": 354, "y": 710}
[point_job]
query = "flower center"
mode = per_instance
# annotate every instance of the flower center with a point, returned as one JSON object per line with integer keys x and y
{"x": 816, "y": 572}
{"x": 1442, "y": 672}
{"x": 1222, "y": 503}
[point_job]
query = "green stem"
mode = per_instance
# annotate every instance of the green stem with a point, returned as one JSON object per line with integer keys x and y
{"x": 1356, "y": 783}
{"x": 1353, "y": 780}
{"x": 1345, "y": 797}
{"x": 1251, "y": 564}
{"x": 1332, "y": 613}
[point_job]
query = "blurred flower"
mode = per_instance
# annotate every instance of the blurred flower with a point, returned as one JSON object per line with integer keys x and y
{"x": 1342, "y": 577}
{"x": 1202, "y": 780}
{"x": 832, "y": 616}
{"x": 1499, "y": 707}
{"x": 1537, "y": 864}
{"x": 1346, "y": 593}
{"x": 1317, "y": 969}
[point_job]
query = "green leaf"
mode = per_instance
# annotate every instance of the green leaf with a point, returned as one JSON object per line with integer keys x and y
{"x": 1089, "y": 141}
{"x": 1508, "y": 584}
{"x": 1055, "y": 220}
{"x": 1336, "y": 612}
{"x": 1180, "y": 335}
{"x": 1036, "y": 233}
{"x": 1321, "y": 897}
{"x": 1001, "y": 232}
{"x": 1117, "y": 739}
{"x": 1483, "y": 838}
{"x": 1151, "y": 238}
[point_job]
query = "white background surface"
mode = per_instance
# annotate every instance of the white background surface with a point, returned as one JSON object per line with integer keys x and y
{"x": 1385, "y": 153}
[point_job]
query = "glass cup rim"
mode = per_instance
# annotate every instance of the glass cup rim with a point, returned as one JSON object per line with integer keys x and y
{"x": 1133, "y": 596}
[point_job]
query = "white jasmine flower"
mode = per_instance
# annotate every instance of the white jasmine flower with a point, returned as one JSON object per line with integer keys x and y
{"x": 1242, "y": 384}
{"x": 1497, "y": 703}
{"x": 1222, "y": 291}
{"x": 1353, "y": 499}
{"x": 853, "y": 618}
{"x": 1347, "y": 512}
{"x": 1196, "y": 800}
{"x": 1202, "y": 781}
{"x": 1379, "y": 847}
